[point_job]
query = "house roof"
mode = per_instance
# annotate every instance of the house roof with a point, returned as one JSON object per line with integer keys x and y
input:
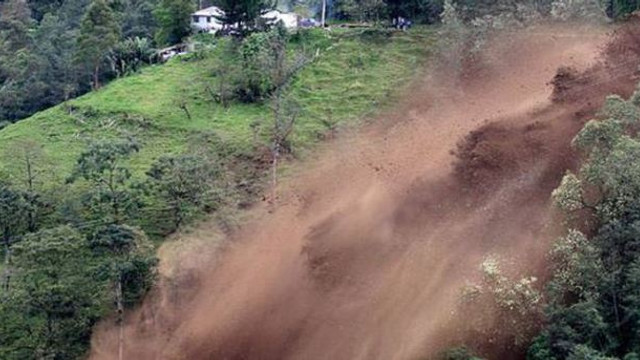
{"x": 210, "y": 11}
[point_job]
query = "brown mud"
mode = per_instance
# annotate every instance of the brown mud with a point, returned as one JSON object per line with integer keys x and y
{"x": 369, "y": 247}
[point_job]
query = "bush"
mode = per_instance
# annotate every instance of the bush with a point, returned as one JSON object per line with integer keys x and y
{"x": 244, "y": 71}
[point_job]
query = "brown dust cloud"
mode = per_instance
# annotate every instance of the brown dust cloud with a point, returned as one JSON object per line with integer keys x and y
{"x": 371, "y": 242}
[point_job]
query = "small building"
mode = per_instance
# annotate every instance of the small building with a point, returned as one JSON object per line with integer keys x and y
{"x": 205, "y": 20}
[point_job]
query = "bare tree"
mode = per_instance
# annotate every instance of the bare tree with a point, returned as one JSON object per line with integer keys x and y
{"x": 27, "y": 159}
{"x": 282, "y": 70}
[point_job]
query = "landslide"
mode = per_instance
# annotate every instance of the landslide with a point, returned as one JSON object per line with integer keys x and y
{"x": 369, "y": 246}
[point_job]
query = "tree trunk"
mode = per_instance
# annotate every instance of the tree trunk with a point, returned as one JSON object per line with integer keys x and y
{"x": 115, "y": 206}
{"x": 177, "y": 215}
{"x": 120, "y": 317}
{"x": 31, "y": 214}
{"x": 274, "y": 172}
{"x": 6, "y": 281}
{"x": 96, "y": 77}
{"x": 324, "y": 13}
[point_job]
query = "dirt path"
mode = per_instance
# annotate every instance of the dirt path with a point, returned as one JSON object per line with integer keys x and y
{"x": 370, "y": 245}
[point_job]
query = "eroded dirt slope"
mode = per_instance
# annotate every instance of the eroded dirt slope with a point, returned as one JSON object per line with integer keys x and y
{"x": 368, "y": 248}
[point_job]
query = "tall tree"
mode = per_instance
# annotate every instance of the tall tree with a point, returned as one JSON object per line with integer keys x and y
{"x": 243, "y": 13}
{"x": 13, "y": 223}
{"x": 424, "y": 11}
{"x": 40, "y": 8}
{"x": 280, "y": 70}
{"x": 55, "y": 300}
{"x": 112, "y": 197}
{"x": 138, "y": 19}
{"x": 174, "y": 20}
{"x": 187, "y": 183}
{"x": 362, "y": 10}
{"x": 618, "y": 8}
{"x": 16, "y": 58}
{"x": 129, "y": 265}
{"x": 25, "y": 165}
{"x": 99, "y": 32}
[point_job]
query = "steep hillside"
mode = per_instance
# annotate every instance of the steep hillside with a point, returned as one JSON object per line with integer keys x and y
{"x": 354, "y": 68}
{"x": 370, "y": 249}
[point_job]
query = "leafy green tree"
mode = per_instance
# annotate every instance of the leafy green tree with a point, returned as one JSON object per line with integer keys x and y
{"x": 362, "y": 10}
{"x": 15, "y": 23}
{"x": 243, "y": 13}
{"x": 174, "y": 20}
{"x": 130, "y": 55}
{"x": 187, "y": 184}
{"x": 619, "y": 8}
{"x": 99, "y": 32}
{"x": 41, "y": 69}
{"x": 16, "y": 59}
{"x": 610, "y": 179}
{"x": 112, "y": 198}
{"x": 41, "y": 8}
{"x": 227, "y": 70}
{"x": 277, "y": 70}
{"x": 128, "y": 264}
{"x": 424, "y": 11}
{"x": 138, "y": 20}
{"x": 593, "y": 295}
{"x": 55, "y": 300}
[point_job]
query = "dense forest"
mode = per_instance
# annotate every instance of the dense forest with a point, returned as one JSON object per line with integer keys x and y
{"x": 72, "y": 258}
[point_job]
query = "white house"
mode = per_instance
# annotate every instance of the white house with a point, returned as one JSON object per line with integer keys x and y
{"x": 205, "y": 19}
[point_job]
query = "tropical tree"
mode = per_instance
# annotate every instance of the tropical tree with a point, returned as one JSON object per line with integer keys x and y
{"x": 112, "y": 197}
{"x": 186, "y": 183}
{"x": 127, "y": 263}
{"x": 174, "y": 20}
{"x": 138, "y": 19}
{"x": 277, "y": 70}
{"x": 54, "y": 301}
{"x": 243, "y": 14}
{"x": 99, "y": 32}
{"x": 130, "y": 55}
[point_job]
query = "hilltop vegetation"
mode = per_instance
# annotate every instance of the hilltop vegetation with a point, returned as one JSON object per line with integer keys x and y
{"x": 352, "y": 75}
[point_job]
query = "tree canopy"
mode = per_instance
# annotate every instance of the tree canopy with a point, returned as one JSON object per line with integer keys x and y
{"x": 594, "y": 295}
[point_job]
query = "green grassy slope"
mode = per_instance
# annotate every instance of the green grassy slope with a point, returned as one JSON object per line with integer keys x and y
{"x": 353, "y": 76}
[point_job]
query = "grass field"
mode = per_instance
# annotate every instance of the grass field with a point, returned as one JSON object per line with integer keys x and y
{"x": 354, "y": 75}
